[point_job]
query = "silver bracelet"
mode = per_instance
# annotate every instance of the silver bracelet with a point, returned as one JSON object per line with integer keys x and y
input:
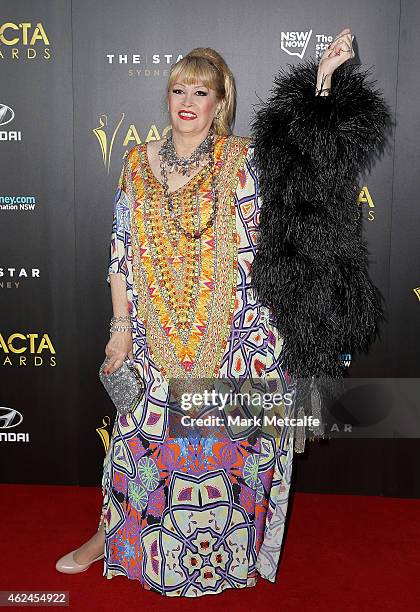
{"x": 123, "y": 327}
{"x": 119, "y": 328}
{"x": 124, "y": 318}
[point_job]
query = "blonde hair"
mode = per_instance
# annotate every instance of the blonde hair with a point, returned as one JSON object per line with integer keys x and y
{"x": 208, "y": 67}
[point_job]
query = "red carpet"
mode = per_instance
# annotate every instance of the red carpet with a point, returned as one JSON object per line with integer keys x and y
{"x": 341, "y": 553}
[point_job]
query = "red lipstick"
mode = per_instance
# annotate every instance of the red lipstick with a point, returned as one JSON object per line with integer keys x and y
{"x": 188, "y": 117}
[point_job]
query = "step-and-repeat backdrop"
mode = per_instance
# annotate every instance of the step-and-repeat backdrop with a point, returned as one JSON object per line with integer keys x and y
{"x": 81, "y": 83}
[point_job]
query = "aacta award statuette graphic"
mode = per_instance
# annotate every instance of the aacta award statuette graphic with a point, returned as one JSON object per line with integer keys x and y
{"x": 103, "y": 138}
{"x": 103, "y": 432}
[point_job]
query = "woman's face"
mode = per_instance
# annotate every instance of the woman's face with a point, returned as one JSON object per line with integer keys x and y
{"x": 191, "y": 108}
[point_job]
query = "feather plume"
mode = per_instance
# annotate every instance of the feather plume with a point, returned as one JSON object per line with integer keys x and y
{"x": 311, "y": 265}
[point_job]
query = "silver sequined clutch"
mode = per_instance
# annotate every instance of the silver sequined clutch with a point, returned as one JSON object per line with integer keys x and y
{"x": 125, "y": 386}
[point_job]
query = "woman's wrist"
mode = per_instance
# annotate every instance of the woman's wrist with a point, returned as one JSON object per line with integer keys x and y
{"x": 323, "y": 84}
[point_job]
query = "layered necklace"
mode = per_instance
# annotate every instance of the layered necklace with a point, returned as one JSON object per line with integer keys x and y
{"x": 184, "y": 166}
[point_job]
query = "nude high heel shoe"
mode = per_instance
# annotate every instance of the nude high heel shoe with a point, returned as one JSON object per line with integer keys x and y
{"x": 68, "y": 565}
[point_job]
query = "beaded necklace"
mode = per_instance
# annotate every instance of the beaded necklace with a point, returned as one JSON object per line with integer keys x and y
{"x": 184, "y": 165}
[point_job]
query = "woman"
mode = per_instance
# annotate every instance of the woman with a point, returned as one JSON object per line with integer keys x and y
{"x": 198, "y": 512}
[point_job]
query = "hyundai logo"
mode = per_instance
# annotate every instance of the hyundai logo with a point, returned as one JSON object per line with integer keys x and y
{"x": 6, "y": 114}
{"x": 9, "y": 417}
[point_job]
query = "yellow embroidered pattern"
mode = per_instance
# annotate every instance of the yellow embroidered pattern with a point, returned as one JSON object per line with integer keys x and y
{"x": 186, "y": 288}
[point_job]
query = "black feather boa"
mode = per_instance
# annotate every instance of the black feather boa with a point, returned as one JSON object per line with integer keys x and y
{"x": 311, "y": 265}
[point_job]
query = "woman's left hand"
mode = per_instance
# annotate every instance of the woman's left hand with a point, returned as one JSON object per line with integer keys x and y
{"x": 337, "y": 52}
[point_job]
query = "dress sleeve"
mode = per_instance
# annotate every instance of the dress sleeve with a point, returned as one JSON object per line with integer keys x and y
{"x": 120, "y": 255}
{"x": 311, "y": 264}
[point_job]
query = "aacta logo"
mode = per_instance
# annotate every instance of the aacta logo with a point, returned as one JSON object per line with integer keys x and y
{"x": 24, "y": 40}
{"x": 9, "y": 419}
{"x": 364, "y": 199}
{"x": 27, "y": 349}
{"x": 106, "y": 134}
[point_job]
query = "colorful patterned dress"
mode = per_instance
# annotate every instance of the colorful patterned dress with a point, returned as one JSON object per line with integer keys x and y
{"x": 190, "y": 515}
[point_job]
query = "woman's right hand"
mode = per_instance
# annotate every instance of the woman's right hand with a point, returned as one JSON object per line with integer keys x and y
{"x": 120, "y": 345}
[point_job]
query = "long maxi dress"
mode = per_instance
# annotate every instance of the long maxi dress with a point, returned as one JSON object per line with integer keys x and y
{"x": 191, "y": 516}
